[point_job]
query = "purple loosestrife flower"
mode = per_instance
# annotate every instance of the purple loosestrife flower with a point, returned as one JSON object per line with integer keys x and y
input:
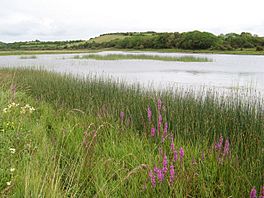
{"x": 152, "y": 179}
{"x": 122, "y": 115}
{"x": 159, "y": 123}
{"x": 253, "y": 193}
{"x": 181, "y": 153}
{"x": 149, "y": 114}
{"x": 172, "y": 145}
{"x": 226, "y": 148}
{"x": 153, "y": 131}
{"x": 165, "y": 132}
{"x": 155, "y": 169}
{"x": 160, "y": 175}
{"x": 165, "y": 164}
{"x": 172, "y": 174}
{"x": 218, "y": 146}
{"x": 159, "y": 105}
{"x": 175, "y": 155}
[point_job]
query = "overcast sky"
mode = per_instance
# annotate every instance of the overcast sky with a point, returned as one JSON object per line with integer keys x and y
{"x": 82, "y": 19}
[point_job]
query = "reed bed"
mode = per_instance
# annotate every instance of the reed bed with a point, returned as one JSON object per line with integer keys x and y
{"x": 96, "y": 137}
{"x": 28, "y": 57}
{"x": 143, "y": 57}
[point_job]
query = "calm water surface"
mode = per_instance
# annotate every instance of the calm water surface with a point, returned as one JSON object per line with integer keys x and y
{"x": 225, "y": 72}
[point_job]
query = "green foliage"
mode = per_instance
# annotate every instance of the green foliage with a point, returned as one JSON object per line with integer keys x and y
{"x": 197, "y": 40}
{"x": 259, "y": 48}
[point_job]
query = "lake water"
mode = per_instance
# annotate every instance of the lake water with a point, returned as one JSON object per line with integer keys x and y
{"x": 223, "y": 73}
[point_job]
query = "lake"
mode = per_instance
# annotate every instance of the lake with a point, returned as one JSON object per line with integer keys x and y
{"x": 223, "y": 73}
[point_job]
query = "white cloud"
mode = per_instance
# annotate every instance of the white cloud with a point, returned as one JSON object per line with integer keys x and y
{"x": 81, "y": 19}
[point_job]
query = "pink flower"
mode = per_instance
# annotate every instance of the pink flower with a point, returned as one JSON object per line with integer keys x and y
{"x": 226, "y": 148}
{"x": 172, "y": 173}
{"x": 160, "y": 175}
{"x": 122, "y": 115}
{"x": 165, "y": 131}
{"x": 153, "y": 131}
{"x": 218, "y": 146}
{"x": 165, "y": 164}
{"x": 152, "y": 179}
{"x": 175, "y": 155}
{"x": 181, "y": 153}
{"x": 159, "y": 122}
{"x": 159, "y": 105}
{"x": 253, "y": 193}
{"x": 262, "y": 192}
{"x": 149, "y": 114}
{"x": 172, "y": 145}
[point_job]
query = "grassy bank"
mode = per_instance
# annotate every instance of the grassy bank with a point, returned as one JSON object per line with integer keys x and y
{"x": 93, "y": 137}
{"x": 142, "y": 57}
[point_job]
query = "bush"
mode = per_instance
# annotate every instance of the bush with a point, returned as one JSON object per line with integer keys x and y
{"x": 259, "y": 48}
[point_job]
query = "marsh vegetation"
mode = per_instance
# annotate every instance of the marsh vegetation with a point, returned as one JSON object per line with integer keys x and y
{"x": 142, "y": 57}
{"x": 66, "y": 136}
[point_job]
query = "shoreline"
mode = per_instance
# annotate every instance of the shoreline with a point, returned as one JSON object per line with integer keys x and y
{"x": 39, "y": 52}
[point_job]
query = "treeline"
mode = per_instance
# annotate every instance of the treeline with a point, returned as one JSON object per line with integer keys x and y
{"x": 194, "y": 40}
{"x": 38, "y": 45}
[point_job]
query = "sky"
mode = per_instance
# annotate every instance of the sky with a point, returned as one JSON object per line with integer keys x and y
{"x": 22, "y": 20}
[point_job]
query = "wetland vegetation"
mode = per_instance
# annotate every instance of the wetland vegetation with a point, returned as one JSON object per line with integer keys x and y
{"x": 63, "y": 136}
{"x": 142, "y": 57}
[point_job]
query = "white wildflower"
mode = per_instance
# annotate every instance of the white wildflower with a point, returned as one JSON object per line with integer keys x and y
{"x": 8, "y": 183}
{"x": 12, "y": 150}
{"x": 12, "y": 170}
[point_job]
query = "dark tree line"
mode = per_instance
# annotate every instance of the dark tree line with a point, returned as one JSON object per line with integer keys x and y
{"x": 195, "y": 40}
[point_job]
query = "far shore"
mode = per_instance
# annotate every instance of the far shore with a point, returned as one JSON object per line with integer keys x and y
{"x": 33, "y": 52}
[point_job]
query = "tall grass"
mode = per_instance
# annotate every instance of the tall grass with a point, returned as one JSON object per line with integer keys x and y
{"x": 142, "y": 57}
{"x": 95, "y": 150}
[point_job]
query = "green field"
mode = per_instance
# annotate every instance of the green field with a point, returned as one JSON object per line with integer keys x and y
{"x": 107, "y": 38}
{"x": 63, "y": 136}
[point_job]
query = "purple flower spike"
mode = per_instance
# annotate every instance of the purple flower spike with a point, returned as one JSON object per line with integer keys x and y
{"x": 172, "y": 174}
{"x": 218, "y": 146}
{"x": 181, "y": 153}
{"x": 165, "y": 132}
{"x": 149, "y": 114}
{"x": 159, "y": 123}
{"x": 226, "y": 148}
{"x": 152, "y": 179}
{"x": 253, "y": 193}
{"x": 153, "y": 131}
{"x": 165, "y": 164}
{"x": 175, "y": 155}
{"x": 172, "y": 145}
{"x": 160, "y": 175}
{"x": 159, "y": 105}
{"x": 122, "y": 115}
